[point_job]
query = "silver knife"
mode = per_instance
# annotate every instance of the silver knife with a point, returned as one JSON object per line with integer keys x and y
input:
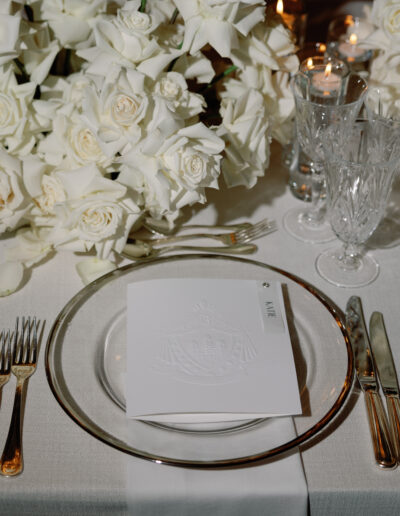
{"x": 378, "y": 425}
{"x": 387, "y": 374}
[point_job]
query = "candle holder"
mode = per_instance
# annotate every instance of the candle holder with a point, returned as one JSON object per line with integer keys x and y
{"x": 298, "y": 163}
{"x": 343, "y": 41}
{"x": 325, "y": 78}
{"x": 316, "y": 120}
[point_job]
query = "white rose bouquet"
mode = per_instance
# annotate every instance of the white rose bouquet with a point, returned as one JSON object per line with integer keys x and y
{"x": 385, "y": 65}
{"x": 116, "y": 111}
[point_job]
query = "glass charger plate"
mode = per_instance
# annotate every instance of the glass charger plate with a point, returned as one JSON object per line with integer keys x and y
{"x": 85, "y": 366}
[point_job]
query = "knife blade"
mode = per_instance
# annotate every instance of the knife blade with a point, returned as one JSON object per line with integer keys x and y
{"x": 365, "y": 371}
{"x": 383, "y": 358}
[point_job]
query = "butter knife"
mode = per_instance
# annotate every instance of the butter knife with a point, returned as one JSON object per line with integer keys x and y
{"x": 378, "y": 425}
{"x": 387, "y": 374}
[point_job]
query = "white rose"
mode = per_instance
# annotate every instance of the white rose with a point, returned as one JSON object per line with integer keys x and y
{"x": 39, "y": 52}
{"x": 191, "y": 159}
{"x": 20, "y": 123}
{"x": 385, "y": 15}
{"x": 268, "y": 44}
{"x": 14, "y": 202}
{"x": 70, "y": 20}
{"x": 245, "y": 129}
{"x": 117, "y": 112}
{"x": 128, "y": 49}
{"x": 143, "y": 175}
{"x": 97, "y": 213}
{"x": 218, "y": 23}
{"x": 172, "y": 89}
{"x": 195, "y": 67}
{"x": 130, "y": 19}
{"x": 84, "y": 145}
{"x": 9, "y": 35}
{"x": 45, "y": 189}
{"x": 72, "y": 144}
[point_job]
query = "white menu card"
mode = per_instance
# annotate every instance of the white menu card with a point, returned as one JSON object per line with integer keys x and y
{"x": 208, "y": 350}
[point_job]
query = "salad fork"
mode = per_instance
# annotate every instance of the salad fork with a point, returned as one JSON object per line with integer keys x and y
{"x": 240, "y": 236}
{"x": 23, "y": 366}
{"x": 5, "y": 358}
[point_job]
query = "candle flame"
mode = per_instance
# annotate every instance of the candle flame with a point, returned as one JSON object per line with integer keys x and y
{"x": 322, "y": 47}
{"x": 353, "y": 39}
{"x": 349, "y": 20}
{"x": 328, "y": 70}
{"x": 279, "y": 7}
{"x": 310, "y": 63}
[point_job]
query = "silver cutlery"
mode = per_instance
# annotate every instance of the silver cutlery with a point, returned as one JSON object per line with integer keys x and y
{"x": 387, "y": 375}
{"x": 5, "y": 358}
{"x": 23, "y": 366}
{"x": 364, "y": 367}
{"x": 239, "y": 236}
{"x": 145, "y": 250}
{"x": 162, "y": 228}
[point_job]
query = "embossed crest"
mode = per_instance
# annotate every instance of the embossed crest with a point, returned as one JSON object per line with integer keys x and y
{"x": 207, "y": 349}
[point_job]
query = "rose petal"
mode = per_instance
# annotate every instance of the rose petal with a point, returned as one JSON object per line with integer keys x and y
{"x": 11, "y": 274}
{"x": 90, "y": 270}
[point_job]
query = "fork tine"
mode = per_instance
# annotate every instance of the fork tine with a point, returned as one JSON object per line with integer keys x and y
{"x": 261, "y": 228}
{"x": 28, "y": 342}
{"x": 5, "y": 352}
{"x": 34, "y": 340}
{"x": 258, "y": 226}
{"x": 16, "y": 350}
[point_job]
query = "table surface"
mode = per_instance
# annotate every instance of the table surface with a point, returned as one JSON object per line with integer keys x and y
{"x": 69, "y": 472}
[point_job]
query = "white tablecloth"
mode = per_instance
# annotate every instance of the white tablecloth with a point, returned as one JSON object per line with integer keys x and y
{"x": 69, "y": 472}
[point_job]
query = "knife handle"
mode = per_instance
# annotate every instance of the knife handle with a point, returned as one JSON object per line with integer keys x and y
{"x": 393, "y": 406}
{"x": 379, "y": 430}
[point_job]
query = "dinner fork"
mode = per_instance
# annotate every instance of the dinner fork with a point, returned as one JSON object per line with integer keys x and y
{"x": 23, "y": 366}
{"x": 5, "y": 358}
{"x": 143, "y": 250}
{"x": 240, "y": 236}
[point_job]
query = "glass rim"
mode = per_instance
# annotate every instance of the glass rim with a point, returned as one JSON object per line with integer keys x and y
{"x": 335, "y": 106}
{"x": 340, "y": 159}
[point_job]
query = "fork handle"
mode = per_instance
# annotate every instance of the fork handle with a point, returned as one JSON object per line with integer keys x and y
{"x": 11, "y": 460}
{"x": 190, "y": 236}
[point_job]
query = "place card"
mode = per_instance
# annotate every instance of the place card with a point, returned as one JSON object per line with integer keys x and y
{"x": 208, "y": 350}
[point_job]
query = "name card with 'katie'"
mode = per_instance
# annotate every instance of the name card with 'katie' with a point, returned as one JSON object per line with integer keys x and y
{"x": 206, "y": 350}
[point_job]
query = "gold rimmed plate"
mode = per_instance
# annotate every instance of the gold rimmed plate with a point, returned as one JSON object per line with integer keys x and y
{"x": 85, "y": 366}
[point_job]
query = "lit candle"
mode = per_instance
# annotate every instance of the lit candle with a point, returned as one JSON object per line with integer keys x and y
{"x": 326, "y": 82}
{"x": 289, "y": 19}
{"x": 349, "y": 48}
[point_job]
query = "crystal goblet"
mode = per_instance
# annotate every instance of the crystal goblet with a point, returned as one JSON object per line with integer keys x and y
{"x": 320, "y": 104}
{"x": 359, "y": 172}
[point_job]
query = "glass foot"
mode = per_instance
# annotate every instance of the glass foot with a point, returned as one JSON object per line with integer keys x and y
{"x": 330, "y": 267}
{"x": 296, "y": 225}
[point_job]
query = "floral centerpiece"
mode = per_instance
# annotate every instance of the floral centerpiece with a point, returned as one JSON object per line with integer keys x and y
{"x": 385, "y": 65}
{"x": 112, "y": 111}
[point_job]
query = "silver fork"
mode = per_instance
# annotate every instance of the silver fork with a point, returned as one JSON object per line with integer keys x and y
{"x": 241, "y": 236}
{"x": 23, "y": 366}
{"x": 142, "y": 250}
{"x": 5, "y": 358}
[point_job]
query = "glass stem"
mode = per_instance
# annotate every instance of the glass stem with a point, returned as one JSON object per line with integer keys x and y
{"x": 351, "y": 257}
{"x": 316, "y": 212}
